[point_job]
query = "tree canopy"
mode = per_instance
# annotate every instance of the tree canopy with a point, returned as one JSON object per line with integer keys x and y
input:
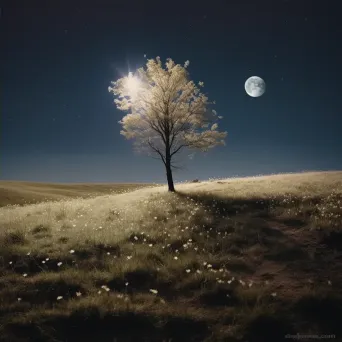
{"x": 166, "y": 111}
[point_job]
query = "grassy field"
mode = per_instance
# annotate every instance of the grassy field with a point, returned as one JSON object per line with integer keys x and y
{"x": 250, "y": 259}
{"x": 22, "y": 193}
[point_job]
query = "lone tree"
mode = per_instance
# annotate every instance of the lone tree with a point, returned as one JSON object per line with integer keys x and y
{"x": 166, "y": 112}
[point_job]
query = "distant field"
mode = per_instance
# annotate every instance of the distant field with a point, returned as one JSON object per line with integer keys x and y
{"x": 254, "y": 259}
{"x": 22, "y": 193}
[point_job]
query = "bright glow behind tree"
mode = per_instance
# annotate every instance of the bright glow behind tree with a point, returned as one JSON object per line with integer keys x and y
{"x": 166, "y": 112}
{"x": 132, "y": 85}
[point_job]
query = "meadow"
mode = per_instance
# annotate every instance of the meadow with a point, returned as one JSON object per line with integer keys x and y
{"x": 23, "y": 193}
{"x": 243, "y": 259}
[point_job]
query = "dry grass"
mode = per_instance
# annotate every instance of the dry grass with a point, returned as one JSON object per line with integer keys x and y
{"x": 225, "y": 260}
{"x": 22, "y": 193}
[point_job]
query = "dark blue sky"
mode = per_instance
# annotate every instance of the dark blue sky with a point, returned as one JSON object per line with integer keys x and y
{"x": 58, "y": 121}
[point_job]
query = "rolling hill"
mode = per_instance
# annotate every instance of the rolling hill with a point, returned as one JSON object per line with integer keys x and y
{"x": 253, "y": 259}
{"x": 21, "y": 193}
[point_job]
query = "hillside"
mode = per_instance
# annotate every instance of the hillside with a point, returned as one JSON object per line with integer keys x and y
{"x": 22, "y": 193}
{"x": 248, "y": 259}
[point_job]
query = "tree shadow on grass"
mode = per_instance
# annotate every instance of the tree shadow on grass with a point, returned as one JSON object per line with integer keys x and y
{"x": 229, "y": 207}
{"x": 245, "y": 227}
{"x": 255, "y": 207}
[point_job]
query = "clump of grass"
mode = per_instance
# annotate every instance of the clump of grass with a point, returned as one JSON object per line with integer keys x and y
{"x": 41, "y": 228}
{"x": 17, "y": 237}
{"x": 63, "y": 239}
{"x": 113, "y": 214}
{"x": 62, "y": 213}
{"x": 66, "y": 226}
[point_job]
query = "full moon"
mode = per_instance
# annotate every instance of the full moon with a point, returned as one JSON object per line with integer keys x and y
{"x": 255, "y": 86}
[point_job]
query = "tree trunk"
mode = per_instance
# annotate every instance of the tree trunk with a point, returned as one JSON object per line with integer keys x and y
{"x": 168, "y": 157}
{"x": 169, "y": 176}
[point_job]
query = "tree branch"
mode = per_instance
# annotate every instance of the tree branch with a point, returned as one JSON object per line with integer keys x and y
{"x": 177, "y": 150}
{"x": 157, "y": 151}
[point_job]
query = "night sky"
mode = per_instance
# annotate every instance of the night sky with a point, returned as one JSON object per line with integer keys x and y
{"x": 59, "y": 123}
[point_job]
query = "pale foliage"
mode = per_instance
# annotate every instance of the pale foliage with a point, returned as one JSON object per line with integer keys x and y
{"x": 166, "y": 110}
